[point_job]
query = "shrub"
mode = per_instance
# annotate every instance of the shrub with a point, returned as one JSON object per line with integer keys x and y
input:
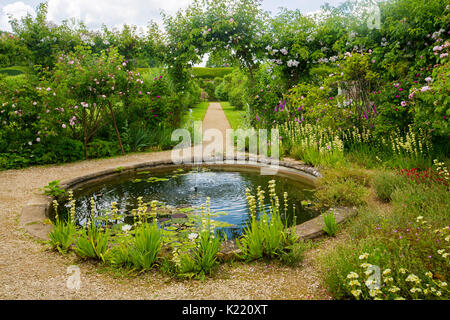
{"x": 385, "y": 183}
{"x": 342, "y": 188}
{"x": 210, "y": 73}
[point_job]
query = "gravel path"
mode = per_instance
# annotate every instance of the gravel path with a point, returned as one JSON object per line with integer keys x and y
{"x": 29, "y": 270}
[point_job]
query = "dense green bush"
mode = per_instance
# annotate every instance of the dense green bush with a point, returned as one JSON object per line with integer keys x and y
{"x": 210, "y": 73}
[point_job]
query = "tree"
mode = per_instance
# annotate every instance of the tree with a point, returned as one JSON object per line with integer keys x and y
{"x": 93, "y": 87}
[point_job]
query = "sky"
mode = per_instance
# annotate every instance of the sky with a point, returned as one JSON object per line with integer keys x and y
{"x": 115, "y": 13}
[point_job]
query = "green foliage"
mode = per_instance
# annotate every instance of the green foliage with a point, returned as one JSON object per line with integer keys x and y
{"x": 431, "y": 103}
{"x": 62, "y": 235}
{"x": 342, "y": 187}
{"x": 210, "y": 73}
{"x": 54, "y": 190}
{"x": 93, "y": 242}
{"x": 410, "y": 236}
{"x": 385, "y": 183}
{"x": 329, "y": 220}
{"x": 205, "y": 253}
{"x": 144, "y": 251}
{"x": 101, "y": 149}
{"x": 267, "y": 237}
{"x": 12, "y": 71}
{"x": 294, "y": 255}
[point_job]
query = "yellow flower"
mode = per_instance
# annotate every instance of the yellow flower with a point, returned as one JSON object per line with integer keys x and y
{"x": 352, "y": 275}
{"x": 374, "y": 292}
{"x": 429, "y": 274}
{"x": 389, "y": 279}
{"x": 365, "y": 265}
{"x": 414, "y": 290}
{"x": 413, "y": 278}
{"x": 368, "y": 272}
{"x": 442, "y": 284}
{"x": 402, "y": 270}
{"x": 369, "y": 282}
{"x": 363, "y": 256}
{"x": 394, "y": 289}
{"x": 354, "y": 283}
{"x": 356, "y": 293}
{"x": 386, "y": 272}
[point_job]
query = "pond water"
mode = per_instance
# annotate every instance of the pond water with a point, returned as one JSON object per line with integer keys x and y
{"x": 186, "y": 189}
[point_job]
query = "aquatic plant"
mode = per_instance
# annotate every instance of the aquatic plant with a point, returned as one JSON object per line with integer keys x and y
{"x": 267, "y": 236}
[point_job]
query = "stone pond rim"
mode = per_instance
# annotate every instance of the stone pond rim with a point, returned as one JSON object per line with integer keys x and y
{"x": 35, "y": 214}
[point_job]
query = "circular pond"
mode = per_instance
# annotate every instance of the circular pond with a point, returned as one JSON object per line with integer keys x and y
{"x": 180, "y": 192}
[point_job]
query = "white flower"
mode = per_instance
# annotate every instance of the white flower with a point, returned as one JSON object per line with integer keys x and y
{"x": 126, "y": 227}
{"x": 386, "y": 272}
{"x": 363, "y": 256}
{"x": 192, "y": 236}
{"x": 356, "y": 293}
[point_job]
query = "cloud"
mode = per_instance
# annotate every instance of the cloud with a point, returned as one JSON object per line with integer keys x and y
{"x": 95, "y": 13}
{"x": 112, "y": 13}
{"x": 17, "y": 10}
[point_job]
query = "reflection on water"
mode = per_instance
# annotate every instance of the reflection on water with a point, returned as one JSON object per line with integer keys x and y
{"x": 189, "y": 188}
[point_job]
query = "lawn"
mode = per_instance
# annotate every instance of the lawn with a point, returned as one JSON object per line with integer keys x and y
{"x": 235, "y": 117}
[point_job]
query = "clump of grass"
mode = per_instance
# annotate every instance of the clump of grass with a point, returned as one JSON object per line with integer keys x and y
{"x": 205, "y": 254}
{"x": 343, "y": 187}
{"x": 93, "y": 242}
{"x": 147, "y": 243}
{"x": 295, "y": 254}
{"x": 385, "y": 184}
{"x": 329, "y": 220}
{"x": 62, "y": 235}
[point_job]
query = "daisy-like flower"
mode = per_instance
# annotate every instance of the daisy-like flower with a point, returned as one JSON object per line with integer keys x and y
{"x": 369, "y": 282}
{"x": 356, "y": 293}
{"x": 363, "y": 256}
{"x": 352, "y": 275}
{"x": 388, "y": 280}
{"x": 394, "y": 289}
{"x": 415, "y": 290}
{"x": 374, "y": 292}
{"x": 368, "y": 272}
{"x": 354, "y": 283}
{"x": 413, "y": 278}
